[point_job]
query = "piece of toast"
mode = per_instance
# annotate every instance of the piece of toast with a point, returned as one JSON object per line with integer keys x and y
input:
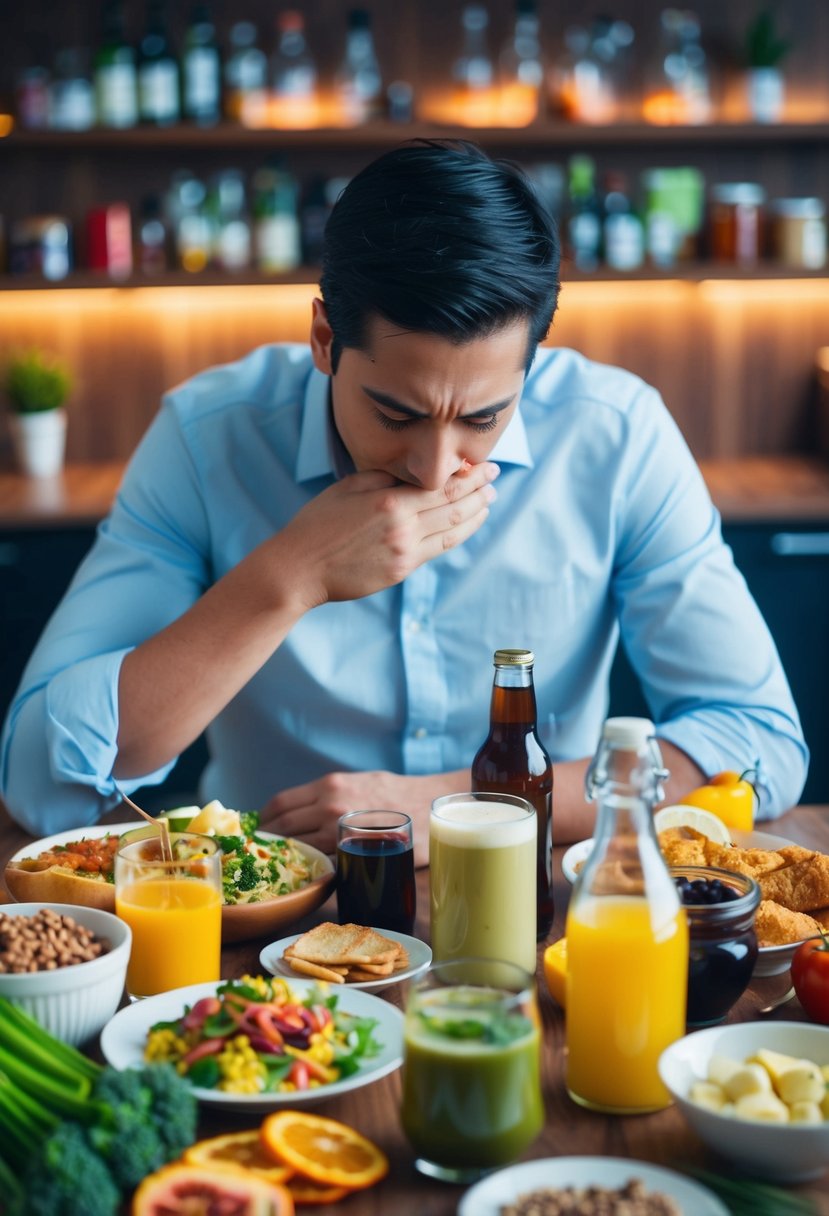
{"x": 350, "y": 944}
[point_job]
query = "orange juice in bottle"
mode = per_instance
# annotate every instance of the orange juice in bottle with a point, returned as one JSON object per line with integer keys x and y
{"x": 627, "y": 936}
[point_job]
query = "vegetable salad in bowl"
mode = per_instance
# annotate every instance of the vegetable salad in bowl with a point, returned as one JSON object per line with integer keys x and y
{"x": 255, "y": 866}
{"x": 259, "y": 1035}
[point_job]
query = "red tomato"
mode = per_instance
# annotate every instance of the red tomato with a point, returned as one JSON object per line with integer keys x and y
{"x": 810, "y": 976}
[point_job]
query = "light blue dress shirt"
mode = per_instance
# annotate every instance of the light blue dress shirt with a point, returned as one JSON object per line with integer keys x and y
{"x": 602, "y": 522}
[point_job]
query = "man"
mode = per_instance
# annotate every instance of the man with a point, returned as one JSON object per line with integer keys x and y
{"x": 310, "y": 555}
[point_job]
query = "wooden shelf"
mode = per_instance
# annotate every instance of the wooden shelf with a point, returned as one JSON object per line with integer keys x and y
{"x": 547, "y": 134}
{"x": 692, "y": 272}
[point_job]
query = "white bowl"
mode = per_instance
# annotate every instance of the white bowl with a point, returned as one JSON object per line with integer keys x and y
{"x": 785, "y": 1152}
{"x": 74, "y": 1003}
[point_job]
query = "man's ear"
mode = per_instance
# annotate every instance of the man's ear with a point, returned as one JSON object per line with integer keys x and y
{"x": 321, "y": 338}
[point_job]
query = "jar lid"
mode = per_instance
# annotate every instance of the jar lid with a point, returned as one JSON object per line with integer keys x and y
{"x": 739, "y": 193}
{"x": 799, "y": 208}
{"x": 630, "y": 733}
{"x": 513, "y": 658}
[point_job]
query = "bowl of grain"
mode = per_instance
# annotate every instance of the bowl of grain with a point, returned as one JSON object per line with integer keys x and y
{"x": 63, "y": 965}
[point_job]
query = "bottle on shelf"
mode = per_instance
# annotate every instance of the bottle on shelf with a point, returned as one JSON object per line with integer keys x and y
{"x": 677, "y": 87}
{"x": 584, "y": 219}
{"x": 277, "y": 239}
{"x": 158, "y": 75}
{"x": 623, "y": 234}
{"x": 472, "y": 71}
{"x": 189, "y": 223}
{"x": 359, "y": 81}
{"x": 71, "y": 96}
{"x": 32, "y": 97}
{"x": 151, "y": 238}
{"x": 582, "y": 83}
{"x": 201, "y": 69}
{"x": 625, "y": 924}
{"x": 246, "y": 77}
{"x": 294, "y": 100}
{"x": 116, "y": 85}
{"x": 227, "y": 211}
{"x": 109, "y": 240}
{"x": 521, "y": 69}
{"x": 513, "y": 760}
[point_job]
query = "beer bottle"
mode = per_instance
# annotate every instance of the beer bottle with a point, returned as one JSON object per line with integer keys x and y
{"x": 513, "y": 760}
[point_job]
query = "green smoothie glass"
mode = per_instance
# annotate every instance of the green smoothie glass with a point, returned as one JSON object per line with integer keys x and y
{"x": 471, "y": 1085}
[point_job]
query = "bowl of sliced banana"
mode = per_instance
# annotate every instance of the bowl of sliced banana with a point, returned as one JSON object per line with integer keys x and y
{"x": 756, "y": 1093}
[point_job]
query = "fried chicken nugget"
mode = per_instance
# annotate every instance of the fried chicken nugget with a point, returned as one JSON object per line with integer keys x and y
{"x": 683, "y": 846}
{"x": 752, "y": 862}
{"x": 801, "y": 886}
{"x": 778, "y": 926}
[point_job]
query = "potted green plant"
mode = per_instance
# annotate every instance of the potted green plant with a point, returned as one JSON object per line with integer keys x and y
{"x": 765, "y": 50}
{"x": 37, "y": 385}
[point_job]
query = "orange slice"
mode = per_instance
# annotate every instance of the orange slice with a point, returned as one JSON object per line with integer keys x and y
{"x": 324, "y": 1149}
{"x": 304, "y": 1191}
{"x": 198, "y": 1188}
{"x": 237, "y": 1149}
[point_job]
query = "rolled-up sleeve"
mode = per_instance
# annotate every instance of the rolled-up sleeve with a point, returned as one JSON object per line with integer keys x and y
{"x": 148, "y": 565}
{"x": 696, "y": 638}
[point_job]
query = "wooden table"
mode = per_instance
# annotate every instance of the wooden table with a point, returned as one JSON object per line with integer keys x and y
{"x": 662, "y": 1138}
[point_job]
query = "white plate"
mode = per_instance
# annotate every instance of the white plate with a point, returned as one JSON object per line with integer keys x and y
{"x": 420, "y": 956}
{"x": 124, "y": 1037}
{"x": 486, "y": 1198}
{"x": 771, "y": 960}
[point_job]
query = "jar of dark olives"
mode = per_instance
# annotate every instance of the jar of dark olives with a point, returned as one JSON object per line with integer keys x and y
{"x": 720, "y": 906}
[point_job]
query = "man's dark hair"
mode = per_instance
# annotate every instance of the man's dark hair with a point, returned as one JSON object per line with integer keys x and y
{"x": 436, "y": 237}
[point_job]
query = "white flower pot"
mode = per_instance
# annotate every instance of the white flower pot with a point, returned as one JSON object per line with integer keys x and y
{"x": 766, "y": 94}
{"x": 39, "y": 442}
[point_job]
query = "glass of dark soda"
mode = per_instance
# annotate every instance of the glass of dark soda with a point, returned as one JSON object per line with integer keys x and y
{"x": 375, "y": 870}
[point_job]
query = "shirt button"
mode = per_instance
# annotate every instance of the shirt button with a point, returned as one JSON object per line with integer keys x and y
{"x": 421, "y": 732}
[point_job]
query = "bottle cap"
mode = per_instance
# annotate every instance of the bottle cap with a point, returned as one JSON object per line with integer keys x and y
{"x": 630, "y": 733}
{"x": 513, "y": 658}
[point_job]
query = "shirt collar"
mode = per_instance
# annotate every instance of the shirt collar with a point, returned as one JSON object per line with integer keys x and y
{"x": 318, "y": 439}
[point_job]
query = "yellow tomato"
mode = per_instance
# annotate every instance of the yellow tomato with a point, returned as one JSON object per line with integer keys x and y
{"x": 555, "y": 969}
{"x": 729, "y": 796}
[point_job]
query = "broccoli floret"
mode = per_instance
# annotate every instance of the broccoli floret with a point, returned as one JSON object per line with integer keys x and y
{"x": 240, "y": 874}
{"x": 174, "y": 1108}
{"x": 230, "y": 844}
{"x": 65, "y": 1177}
{"x": 128, "y": 1139}
{"x": 249, "y": 821}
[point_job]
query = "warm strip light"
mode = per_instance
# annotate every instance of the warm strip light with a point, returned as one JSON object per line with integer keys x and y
{"x": 6, "y": 125}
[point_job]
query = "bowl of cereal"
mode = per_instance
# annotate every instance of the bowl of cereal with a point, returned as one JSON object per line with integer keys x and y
{"x": 64, "y": 965}
{"x": 755, "y": 1092}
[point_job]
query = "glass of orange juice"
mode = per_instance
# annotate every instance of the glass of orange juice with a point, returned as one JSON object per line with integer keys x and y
{"x": 174, "y": 908}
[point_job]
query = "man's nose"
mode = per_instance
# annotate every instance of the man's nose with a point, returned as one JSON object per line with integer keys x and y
{"x": 433, "y": 463}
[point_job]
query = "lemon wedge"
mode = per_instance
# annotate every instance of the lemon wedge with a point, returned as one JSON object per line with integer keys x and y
{"x": 218, "y": 820}
{"x": 692, "y": 817}
{"x": 555, "y": 970}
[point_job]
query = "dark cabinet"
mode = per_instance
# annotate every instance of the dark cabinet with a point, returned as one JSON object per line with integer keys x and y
{"x": 786, "y": 566}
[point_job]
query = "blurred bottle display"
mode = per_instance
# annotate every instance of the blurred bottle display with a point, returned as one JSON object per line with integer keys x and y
{"x": 359, "y": 81}
{"x": 520, "y": 68}
{"x": 230, "y": 226}
{"x": 674, "y": 203}
{"x": 584, "y": 223}
{"x": 623, "y": 234}
{"x": 116, "y": 85}
{"x": 109, "y": 240}
{"x": 246, "y": 77}
{"x": 586, "y": 84}
{"x": 158, "y": 74}
{"x": 472, "y": 71}
{"x": 677, "y": 88}
{"x": 293, "y": 71}
{"x": 151, "y": 254}
{"x": 41, "y": 245}
{"x": 71, "y": 96}
{"x": 189, "y": 223}
{"x": 276, "y": 233}
{"x": 32, "y": 97}
{"x": 735, "y": 222}
{"x": 201, "y": 69}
